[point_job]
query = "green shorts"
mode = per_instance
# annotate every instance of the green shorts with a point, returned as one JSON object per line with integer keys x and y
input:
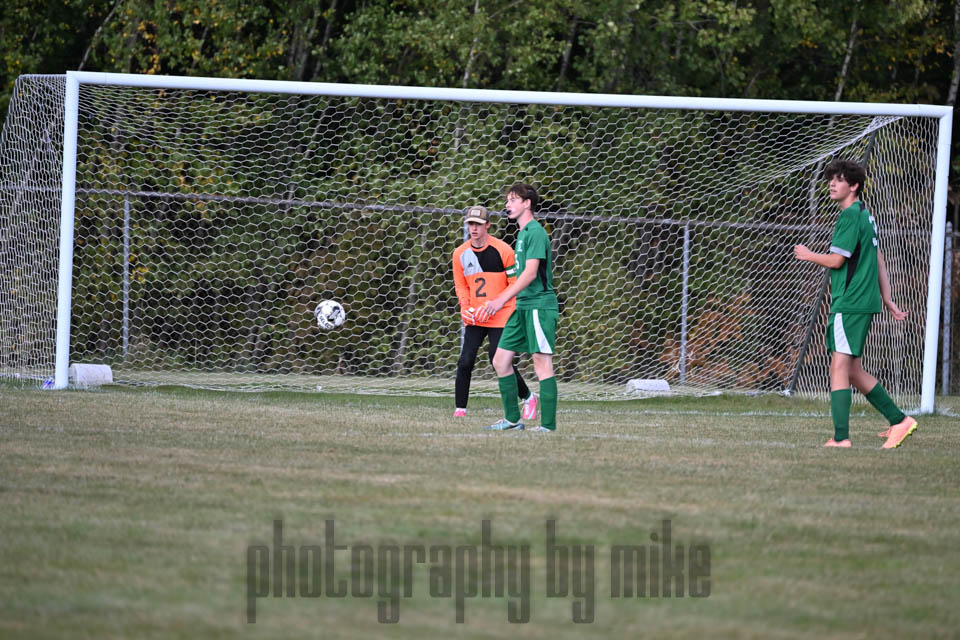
{"x": 530, "y": 331}
{"x": 847, "y": 332}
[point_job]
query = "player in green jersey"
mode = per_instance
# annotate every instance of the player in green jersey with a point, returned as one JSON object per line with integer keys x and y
{"x": 532, "y": 326}
{"x": 859, "y": 288}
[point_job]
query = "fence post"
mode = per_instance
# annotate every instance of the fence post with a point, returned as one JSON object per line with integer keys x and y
{"x": 947, "y": 316}
{"x": 684, "y": 303}
{"x": 126, "y": 273}
{"x": 811, "y": 322}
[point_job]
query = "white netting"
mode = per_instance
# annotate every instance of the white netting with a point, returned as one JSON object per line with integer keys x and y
{"x": 235, "y": 213}
{"x": 31, "y": 156}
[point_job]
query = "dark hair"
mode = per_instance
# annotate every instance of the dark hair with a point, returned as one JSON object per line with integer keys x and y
{"x": 852, "y": 173}
{"x": 525, "y": 192}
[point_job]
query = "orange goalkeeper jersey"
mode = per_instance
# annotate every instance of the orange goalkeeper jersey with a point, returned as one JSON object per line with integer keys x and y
{"x": 481, "y": 275}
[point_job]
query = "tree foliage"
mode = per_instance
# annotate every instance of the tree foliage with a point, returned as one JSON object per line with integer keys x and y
{"x": 761, "y": 48}
{"x": 861, "y": 50}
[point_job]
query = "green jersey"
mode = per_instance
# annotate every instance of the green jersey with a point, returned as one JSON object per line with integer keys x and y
{"x": 533, "y": 242}
{"x": 855, "y": 286}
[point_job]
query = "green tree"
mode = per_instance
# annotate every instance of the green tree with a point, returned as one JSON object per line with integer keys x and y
{"x": 44, "y": 37}
{"x": 484, "y": 43}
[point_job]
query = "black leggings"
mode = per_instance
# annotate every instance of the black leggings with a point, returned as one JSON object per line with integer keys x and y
{"x": 472, "y": 339}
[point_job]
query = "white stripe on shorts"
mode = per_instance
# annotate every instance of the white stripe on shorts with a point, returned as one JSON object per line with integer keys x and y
{"x": 542, "y": 344}
{"x": 840, "y": 336}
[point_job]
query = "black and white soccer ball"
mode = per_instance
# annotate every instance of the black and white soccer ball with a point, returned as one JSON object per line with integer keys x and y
{"x": 330, "y": 314}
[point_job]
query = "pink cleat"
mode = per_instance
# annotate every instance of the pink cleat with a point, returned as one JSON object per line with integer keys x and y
{"x": 885, "y": 433}
{"x": 843, "y": 443}
{"x": 899, "y": 433}
{"x": 460, "y": 413}
{"x": 530, "y": 406}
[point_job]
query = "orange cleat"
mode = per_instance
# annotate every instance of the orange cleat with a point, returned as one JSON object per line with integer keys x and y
{"x": 843, "y": 443}
{"x": 899, "y": 433}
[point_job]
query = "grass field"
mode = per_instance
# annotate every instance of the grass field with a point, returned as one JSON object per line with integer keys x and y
{"x": 131, "y": 513}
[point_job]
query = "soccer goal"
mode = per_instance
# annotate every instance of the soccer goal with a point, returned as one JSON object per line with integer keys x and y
{"x": 183, "y": 230}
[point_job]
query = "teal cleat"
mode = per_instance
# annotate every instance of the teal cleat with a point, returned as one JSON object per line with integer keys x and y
{"x": 505, "y": 425}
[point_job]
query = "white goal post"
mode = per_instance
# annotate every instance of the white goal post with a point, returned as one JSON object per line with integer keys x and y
{"x": 198, "y": 222}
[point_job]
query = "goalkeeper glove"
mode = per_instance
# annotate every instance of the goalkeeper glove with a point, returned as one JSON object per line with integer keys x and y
{"x": 467, "y": 316}
{"x": 483, "y": 313}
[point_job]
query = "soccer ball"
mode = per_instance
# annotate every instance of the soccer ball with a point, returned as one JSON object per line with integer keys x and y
{"x": 330, "y": 314}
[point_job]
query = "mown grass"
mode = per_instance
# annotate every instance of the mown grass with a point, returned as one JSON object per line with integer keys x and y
{"x": 129, "y": 513}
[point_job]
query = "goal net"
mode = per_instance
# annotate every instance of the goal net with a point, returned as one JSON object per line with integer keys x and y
{"x": 208, "y": 223}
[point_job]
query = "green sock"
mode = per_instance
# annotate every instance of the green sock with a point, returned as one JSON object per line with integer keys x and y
{"x": 840, "y": 410}
{"x": 884, "y": 404}
{"x": 548, "y": 403}
{"x": 508, "y": 396}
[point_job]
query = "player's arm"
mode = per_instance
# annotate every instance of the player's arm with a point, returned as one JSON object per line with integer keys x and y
{"x": 463, "y": 290}
{"x": 523, "y": 281}
{"x": 509, "y": 259}
{"x": 828, "y": 260}
{"x": 460, "y": 283}
{"x": 885, "y": 293}
{"x": 842, "y": 244}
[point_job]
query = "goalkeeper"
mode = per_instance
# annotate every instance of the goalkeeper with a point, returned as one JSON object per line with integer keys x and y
{"x": 480, "y": 268}
{"x": 859, "y": 288}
